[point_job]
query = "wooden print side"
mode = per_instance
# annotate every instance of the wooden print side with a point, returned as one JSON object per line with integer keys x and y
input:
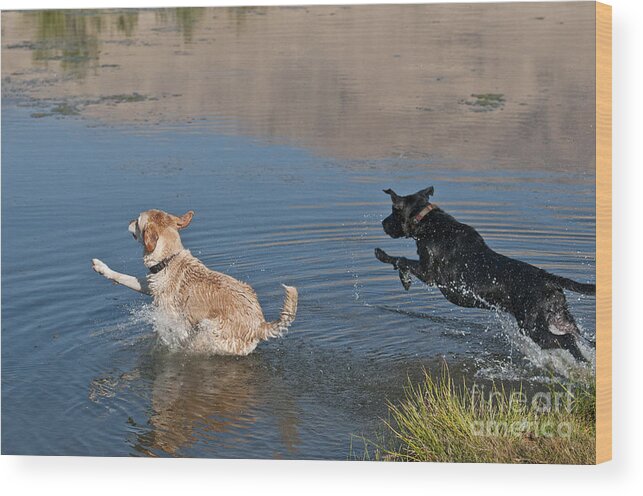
{"x": 603, "y": 232}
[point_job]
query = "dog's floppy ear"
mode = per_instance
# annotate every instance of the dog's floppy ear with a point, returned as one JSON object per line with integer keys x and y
{"x": 150, "y": 237}
{"x": 426, "y": 192}
{"x": 394, "y": 196}
{"x": 184, "y": 220}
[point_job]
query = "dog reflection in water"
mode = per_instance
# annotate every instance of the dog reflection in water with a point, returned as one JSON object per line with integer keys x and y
{"x": 209, "y": 402}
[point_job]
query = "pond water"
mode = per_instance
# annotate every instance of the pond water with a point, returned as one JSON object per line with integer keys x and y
{"x": 279, "y": 128}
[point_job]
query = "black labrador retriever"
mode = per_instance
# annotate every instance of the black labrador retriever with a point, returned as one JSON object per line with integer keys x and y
{"x": 455, "y": 259}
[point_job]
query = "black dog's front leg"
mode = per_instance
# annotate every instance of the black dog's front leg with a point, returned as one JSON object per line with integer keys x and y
{"x": 404, "y": 266}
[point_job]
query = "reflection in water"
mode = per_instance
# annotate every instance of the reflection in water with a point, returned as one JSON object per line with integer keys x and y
{"x": 221, "y": 400}
{"x": 184, "y": 19}
{"x": 73, "y": 38}
{"x": 478, "y": 85}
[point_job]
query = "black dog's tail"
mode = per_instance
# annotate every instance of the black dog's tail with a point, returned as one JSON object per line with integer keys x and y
{"x": 576, "y": 287}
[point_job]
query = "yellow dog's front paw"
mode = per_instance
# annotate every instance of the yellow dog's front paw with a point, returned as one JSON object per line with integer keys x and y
{"x": 100, "y": 267}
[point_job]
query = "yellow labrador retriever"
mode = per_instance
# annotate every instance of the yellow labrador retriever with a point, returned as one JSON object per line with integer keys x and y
{"x": 222, "y": 314}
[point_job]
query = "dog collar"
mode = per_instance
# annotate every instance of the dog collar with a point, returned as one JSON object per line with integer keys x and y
{"x": 424, "y": 212}
{"x": 155, "y": 269}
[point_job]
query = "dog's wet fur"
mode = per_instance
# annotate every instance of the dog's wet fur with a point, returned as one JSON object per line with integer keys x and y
{"x": 223, "y": 315}
{"x": 456, "y": 259}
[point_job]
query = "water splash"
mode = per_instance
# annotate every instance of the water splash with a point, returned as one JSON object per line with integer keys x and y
{"x": 556, "y": 362}
{"x": 352, "y": 268}
{"x": 172, "y": 333}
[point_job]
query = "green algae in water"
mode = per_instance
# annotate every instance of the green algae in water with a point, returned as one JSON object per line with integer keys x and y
{"x": 125, "y": 98}
{"x": 485, "y": 102}
{"x": 62, "y": 109}
{"x": 67, "y": 109}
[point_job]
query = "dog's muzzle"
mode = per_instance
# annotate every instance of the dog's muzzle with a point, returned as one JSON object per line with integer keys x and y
{"x": 392, "y": 228}
{"x": 132, "y": 228}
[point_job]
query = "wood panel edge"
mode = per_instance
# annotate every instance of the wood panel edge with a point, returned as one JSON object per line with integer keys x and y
{"x": 603, "y": 232}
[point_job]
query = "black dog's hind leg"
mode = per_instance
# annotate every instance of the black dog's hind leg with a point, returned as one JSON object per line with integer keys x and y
{"x": 564, "y": 341}
{"x": 404, "y": 266}
{"x": 538, "y": 328}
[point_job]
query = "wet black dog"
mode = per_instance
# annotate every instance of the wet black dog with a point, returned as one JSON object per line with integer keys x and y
{"x": 455, "y": 259}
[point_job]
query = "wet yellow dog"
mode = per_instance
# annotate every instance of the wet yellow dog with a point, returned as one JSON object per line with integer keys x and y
{"x": 223, "y": 314}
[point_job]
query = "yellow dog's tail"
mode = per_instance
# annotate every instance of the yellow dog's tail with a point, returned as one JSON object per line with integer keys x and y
{"x": 277, "y": 327}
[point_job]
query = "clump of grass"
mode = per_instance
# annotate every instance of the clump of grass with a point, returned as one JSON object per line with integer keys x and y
{"x": 438, "y": 421}
{"x": 68, "y": 109}
{"x": 484, "y": 102}
{"x": 62, "y": 109}
{"x": 65, "y": 109}
{"x": 124, "y": 98}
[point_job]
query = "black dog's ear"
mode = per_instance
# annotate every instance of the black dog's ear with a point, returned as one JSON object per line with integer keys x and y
{"x": 394, "y": 196}
{"x": 426, "y": 192}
